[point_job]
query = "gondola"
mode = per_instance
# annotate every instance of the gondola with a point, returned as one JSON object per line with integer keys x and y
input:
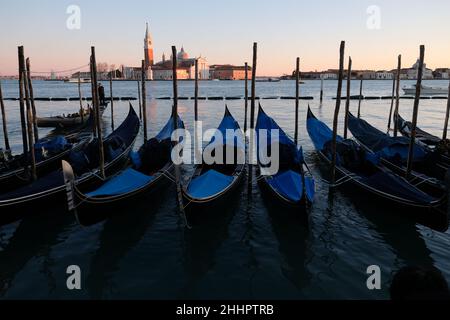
{"x": 394, "y": 152}
{"x": 50, "y": 189}
{"x": 49, "y": 152}
{"x": 213, "y": 183}
{"x": 431, "y": 141}
{"x": 66, "y": 122}
{"x": 292, "y": 185}
{"x": 362, "y": 168}
{"x": 151, "y": 169}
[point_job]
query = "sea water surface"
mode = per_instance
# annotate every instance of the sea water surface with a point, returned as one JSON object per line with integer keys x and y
{"x": 248, "y": 250}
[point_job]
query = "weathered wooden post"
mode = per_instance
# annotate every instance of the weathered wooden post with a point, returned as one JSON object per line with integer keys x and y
{"x": 98, "y": 116}
{"x": 81, "y": 99}
{"x": 297, "y": 98}
{"x": 336, "y": 111}
{"x": 347, "y": 102}
{"x": 94, "y": 92}
{"x": 392, "y": 104}
{"x": 397, "y": 95}
{"x": 321, "y": 89}
{"x": 5, "y": 128}
{"x": 144, "y": 98}
{"x": 196, "y": 124}
{"x": 447, "y": 114}
{"x": 22, "y": 103}
{"x": 415, "y": 112}
{"x": 112, "y": 99}
{"x": 246, "y": 99}
{"x": 360, "y": 97}
{"x": 140, "y": 99}
{"x": 29, "y": 127}
{"x": 175, "y": 123}
{"x": 252, "y": 115}
{"x": 33, "y": 106}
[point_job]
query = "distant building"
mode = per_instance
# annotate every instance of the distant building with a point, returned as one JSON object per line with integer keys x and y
{"x": 411, "y": 73}
{"x": 185, "y": 67}
{"x": 442, "y": 73}
{"x": 228, "y": 72}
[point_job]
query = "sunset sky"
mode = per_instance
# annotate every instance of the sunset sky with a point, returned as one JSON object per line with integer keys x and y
{"x": 223, "y": 32}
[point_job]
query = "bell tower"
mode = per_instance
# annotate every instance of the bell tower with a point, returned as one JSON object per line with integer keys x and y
{"x": 148, "y": 49}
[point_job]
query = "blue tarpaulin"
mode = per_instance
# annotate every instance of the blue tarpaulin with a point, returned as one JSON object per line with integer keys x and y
{"x": 209, "y": 184}
{"x": 289, "y": 184}
{"x": 125, "y": 182}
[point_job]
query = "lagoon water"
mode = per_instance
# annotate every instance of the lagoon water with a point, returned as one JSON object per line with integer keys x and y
{"x": 247, "y": 250}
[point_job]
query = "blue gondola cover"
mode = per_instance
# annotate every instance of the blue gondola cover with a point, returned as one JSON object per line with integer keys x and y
{"x": 125, "y": 182}
{"x": 289, "y": 184}
{"x": 209, "y": 184}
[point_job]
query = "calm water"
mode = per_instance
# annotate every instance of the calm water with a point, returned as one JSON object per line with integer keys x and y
{"x": 247, "y": 251}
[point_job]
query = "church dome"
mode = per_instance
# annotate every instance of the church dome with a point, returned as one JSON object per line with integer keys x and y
{"x": 182, "y": 55}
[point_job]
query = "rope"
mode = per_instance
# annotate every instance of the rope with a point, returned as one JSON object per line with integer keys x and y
{"x": 61, "y": 71}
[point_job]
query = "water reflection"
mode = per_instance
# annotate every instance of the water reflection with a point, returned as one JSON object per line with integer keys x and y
{"x": 34, "y": 237}
{"x": 120, "y": 234}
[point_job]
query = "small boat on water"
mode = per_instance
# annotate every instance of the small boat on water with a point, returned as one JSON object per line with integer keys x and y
{"x": 215, "y": 182}
{"x": 268, "y": 80}
{"x": 69, "y": 121}
{"x": 151, "y": 169}
{"x": 363, "y": 169}
{"x": 75, "y": 80}
{"x": 292, "y": 185}
{"x": 50, "y": 189}
{"x": 426, "y": 90}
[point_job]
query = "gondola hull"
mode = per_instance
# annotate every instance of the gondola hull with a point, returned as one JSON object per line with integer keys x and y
{"x": 52, "y": 188}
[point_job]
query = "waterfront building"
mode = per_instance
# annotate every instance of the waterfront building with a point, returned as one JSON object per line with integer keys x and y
{"x": 185, "y": 67}
{"x": 442, "y": 73}
{"x": 228, "y": 72}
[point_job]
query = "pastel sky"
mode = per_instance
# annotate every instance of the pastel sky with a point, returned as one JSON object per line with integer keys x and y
{"x": 223, "y": 31}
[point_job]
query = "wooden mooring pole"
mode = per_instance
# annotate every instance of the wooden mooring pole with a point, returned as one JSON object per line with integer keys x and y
{"x": 33, "y": 106}
{"x": 144, "y": 98}
{"x": 22, "y": 103}
{"x": 397, "y": 95}
{"x": 5, "y": 128}
{"x": 297, "y": 98}
{"x": 336, "y": 111}
{"x": 394, "y": 81}
{"x": 252, "y": 116}
{"x": 415, "y": 112}
{"x": 246, "y": 99}
{"x": 81, "y": 99}
{"x": 94, "y": 93}
{"x": 360, "y": 97}
{"x": 140, "y": 99}
{"x": 97, "y": 115}
{"x": 321, "y": 89}
{"x": 447, "y": 114}
{"x": 111, "y": 98}
{"x": 347, "y": 102}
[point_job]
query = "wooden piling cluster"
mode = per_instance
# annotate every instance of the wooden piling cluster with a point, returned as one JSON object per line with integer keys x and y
{"x": 26, "y": 117}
